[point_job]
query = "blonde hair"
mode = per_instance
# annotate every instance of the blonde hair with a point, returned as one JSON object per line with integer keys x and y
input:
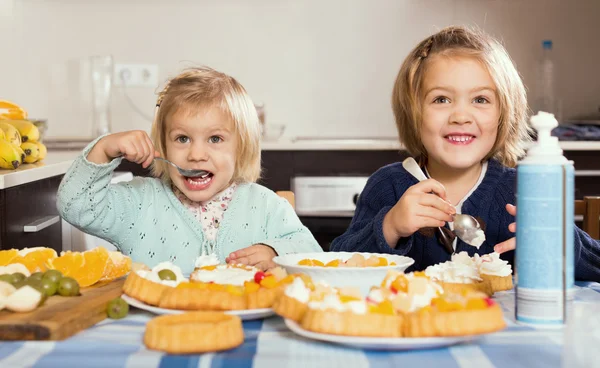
{"x": 513, "y": 129}
{"x": 200, "y": 88}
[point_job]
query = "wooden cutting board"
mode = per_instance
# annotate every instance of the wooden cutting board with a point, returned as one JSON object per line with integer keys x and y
{"x": 60, "y": 317}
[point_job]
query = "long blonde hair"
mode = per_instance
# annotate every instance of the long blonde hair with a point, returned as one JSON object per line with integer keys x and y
{"x": 202, "y": 87}
{"x": 513, "y": 129}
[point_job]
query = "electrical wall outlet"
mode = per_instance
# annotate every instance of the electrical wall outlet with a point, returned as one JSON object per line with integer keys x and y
{"x": 136, "y": 75}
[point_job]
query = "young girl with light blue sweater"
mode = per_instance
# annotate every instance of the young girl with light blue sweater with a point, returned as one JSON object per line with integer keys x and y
{"x": 204, "y": 120}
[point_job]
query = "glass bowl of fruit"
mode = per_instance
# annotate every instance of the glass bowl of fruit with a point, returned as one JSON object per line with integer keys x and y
{"x": 343, "y": 269}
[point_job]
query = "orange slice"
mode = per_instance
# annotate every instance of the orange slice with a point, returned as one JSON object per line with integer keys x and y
{"x": 118, "y": 266}
{"x": 68, "y": 263}
{"x": 34, "y": 258}
{"x": 96, "y": 261}
{"x": 6, "y": 256}
{"x": 334, "y": 263}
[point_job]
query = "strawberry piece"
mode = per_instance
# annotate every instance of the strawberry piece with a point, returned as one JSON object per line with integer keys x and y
{"x": 259, "y": 276}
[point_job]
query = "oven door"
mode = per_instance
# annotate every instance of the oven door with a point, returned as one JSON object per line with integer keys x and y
{"x": 325, "y": 204}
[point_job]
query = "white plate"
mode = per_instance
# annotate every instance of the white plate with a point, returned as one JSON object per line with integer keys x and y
{"x": 245, "y": 315}
{"x": 381, "y": 343}
{"x": 362, "y": 277}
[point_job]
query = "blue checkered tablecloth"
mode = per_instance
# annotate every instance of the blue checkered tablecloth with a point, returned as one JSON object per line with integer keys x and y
{"x": 268, "y": 343}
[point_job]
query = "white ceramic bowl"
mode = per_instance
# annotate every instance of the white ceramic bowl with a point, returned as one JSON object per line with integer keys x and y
{"x": 361, "y": 277}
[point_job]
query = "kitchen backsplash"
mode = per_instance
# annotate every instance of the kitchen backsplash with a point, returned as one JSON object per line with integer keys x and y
{"x": 321, "y": 67}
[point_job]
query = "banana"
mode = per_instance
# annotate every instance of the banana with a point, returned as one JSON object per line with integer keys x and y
{"x": 11, "y": 133}
{"x": 28, "y": 130}
{"x": 2, "y": 135}
{"x": 14, "y": 114}
{"x": 43, "y": 150}
{"x": 21, "y": 153}
{"x": 10, "y": 157}
{"x": 24, "y": 299}
{"x": 14, "y": 111}
{"x": 32, "y": 152}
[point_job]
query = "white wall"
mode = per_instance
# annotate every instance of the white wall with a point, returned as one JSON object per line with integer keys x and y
{"x": 322, "y": 67}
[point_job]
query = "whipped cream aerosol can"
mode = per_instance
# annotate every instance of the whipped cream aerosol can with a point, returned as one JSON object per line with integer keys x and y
{"x": 545, "y": 230}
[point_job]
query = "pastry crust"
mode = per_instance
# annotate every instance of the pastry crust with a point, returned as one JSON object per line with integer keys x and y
{"x": 431, "y": 323}
{"x": 194, "y": 332}
{"x": 456, "y": 288}
{"x": 143, "y": 289}
{"x": 262, "y": 298}
{"x": 351, "y": 324}
{"x": 290, "y": 308}
{"x": 498, "y": 283}
{"x": 192, "y": 298}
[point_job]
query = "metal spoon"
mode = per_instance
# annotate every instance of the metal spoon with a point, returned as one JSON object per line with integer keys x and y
{"x": 185, "y": 172}
{"x": 466, "y": 227}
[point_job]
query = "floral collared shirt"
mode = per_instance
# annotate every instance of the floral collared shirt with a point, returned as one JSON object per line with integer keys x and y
{"x": 209, "y": 213}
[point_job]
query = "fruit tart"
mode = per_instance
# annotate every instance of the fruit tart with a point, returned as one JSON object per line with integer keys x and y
{"x": 457, "y": 277}
{"x": 407, "y": 292}
{"x": 456, "y": 314}
{"x": 293, "y": 302}
{"x": 347, "y": 313}
{"x": 148, "y": 285}
{"x": 194, "y": 332}
{"x": 215, "y": 286}
{"x": 494, "y": 270}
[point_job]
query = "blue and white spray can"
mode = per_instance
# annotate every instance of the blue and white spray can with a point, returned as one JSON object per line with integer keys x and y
{"x": 545, "y": 230}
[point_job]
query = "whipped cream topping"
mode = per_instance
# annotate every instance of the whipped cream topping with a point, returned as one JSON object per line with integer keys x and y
{"x": 332, "y": 301}
{"x": 152, "y": 274}
{"x": 298, "y": 290}
{"x": 207, "y": 260}
{"x": 421, "y": 291}
{"x": 464, "y": 258}
{"x": 453, "y": 272}
{"x": 491, "y": 264}
{"x": 478, "y": 239}
{"x": 376, "y": 296}
{"x": 224, "y": 274}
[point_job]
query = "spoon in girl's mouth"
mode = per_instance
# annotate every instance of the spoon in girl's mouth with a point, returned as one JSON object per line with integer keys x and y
{"x": 186, "y": 172}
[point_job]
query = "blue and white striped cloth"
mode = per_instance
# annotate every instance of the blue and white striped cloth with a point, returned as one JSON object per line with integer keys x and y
{"x": 268, "y": 343}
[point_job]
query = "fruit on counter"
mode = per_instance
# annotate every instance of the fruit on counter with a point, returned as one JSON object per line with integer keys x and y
{"x": 11, "y": 133}
{"x": 92, "y": 266}
{"x": 28, "y": 152}
{"x": 10, "y": 157}
{"x": 50, "y": 288}
{"x": 20, "y": 133}
{"x": 29, "y": 132}
{"x": 87, "y": 268}
{"x": 36, "y": 276}
{"x": 31, "y": 151}
{"x": 117, "y": 308}
{"x": 15, "y": 268}
{"x": 43, "y": 150}
{"x": 52, "y": 276}
{"x": 18, "y": 277}
{"x": 14, "y": 111}
{"x": 68, "y": 286}
{"x": 24, "y": 299}
{"x": 33, "y": 259}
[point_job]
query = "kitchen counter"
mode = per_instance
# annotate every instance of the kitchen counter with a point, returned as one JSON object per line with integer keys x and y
{"x": 56, "y": 163}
